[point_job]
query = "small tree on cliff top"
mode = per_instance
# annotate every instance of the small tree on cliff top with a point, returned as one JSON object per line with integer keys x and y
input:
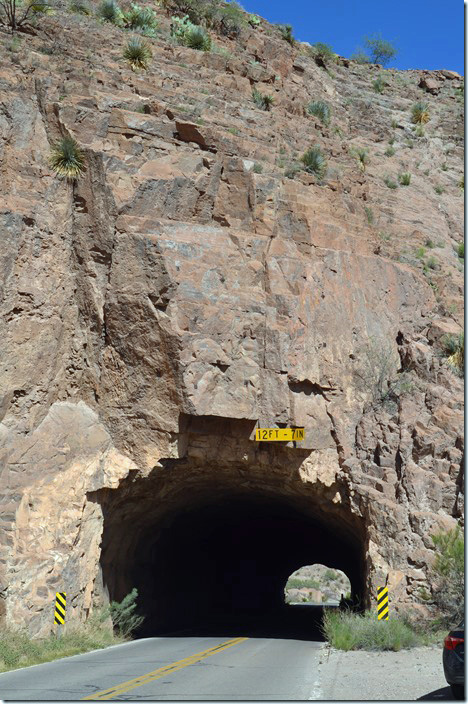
{"x": 381, "y": 51}
{"x": 16, "y": 13}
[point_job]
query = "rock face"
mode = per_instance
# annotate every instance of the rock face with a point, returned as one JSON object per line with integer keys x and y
{"x": 185, "y": 291}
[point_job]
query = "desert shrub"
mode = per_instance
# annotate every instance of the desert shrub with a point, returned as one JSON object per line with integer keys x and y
{"x": 420, "y": 113}
{"x": 67, "y": 159}
{"x": 360, "y": 56}
{"x": 264, "y": 102}
{"x": 420, "y": 252}
{"x": 431, "y": 263}
{"x": 320, "y": 109}
{"x": 137, "y": 53}
{"x": 323, "y": 53}
{"x": 381, "y": 51}
{"x": 362, "y": 155}
{"x": 124, "y": 618}
{"x": 257, "y": 169}
{"x": 346, "y": 630}
{"x": 109, "y": 11}
{"x": 390, "y": 183}
{"x": 448, "y": 576}
{"x": 286, "y": 33}
{"x": 378, "y": 85}
{"x": 197, "y": 38}
{"x": 404, "y": 179}
{"x": 227, "y": 19}
{"x": 439, "y": 190}
{"x": 314, "y": 162}
{"x": 142, "y": 18}
{"x": 292, "y": 169}
{"x": 390, "y": 151}
{"x": 189, "y": 34}
{"x": 376, "y": 371}
{"x": 369, "y": 215}
{"x": 254, "y": 20}
{"x": 461, "y": 250}
{"x": 17, "y": 13}
{"x": 418, "y": 131}
{"x": 454, "y": 349}
{"x": 81, "y": 7}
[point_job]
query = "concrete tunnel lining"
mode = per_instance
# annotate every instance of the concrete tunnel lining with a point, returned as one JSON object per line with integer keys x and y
{"x": 216, "y": 552}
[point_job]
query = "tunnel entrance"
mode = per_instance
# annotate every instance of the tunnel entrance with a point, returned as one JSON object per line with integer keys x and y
{"x": 218, "y": 555}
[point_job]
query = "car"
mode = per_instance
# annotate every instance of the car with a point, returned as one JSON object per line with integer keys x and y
{"x": 453, "y": 659}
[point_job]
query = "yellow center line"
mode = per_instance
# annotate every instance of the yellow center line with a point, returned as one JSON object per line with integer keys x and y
{"x": 161, "y": 671}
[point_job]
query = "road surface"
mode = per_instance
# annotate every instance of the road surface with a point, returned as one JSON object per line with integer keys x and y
{"x": 259, "y": 664}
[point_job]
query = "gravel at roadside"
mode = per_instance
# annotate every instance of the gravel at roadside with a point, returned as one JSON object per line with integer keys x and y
{"x": 359, "y": 675}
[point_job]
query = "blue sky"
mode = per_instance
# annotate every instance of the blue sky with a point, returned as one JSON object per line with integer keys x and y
{"x": 428, "y": 33}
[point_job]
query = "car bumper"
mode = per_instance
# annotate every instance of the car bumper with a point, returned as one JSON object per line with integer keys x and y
{"x": 454, "y": 668}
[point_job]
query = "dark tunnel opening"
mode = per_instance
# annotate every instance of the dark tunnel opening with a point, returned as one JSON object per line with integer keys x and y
{"x": 223, "y": 562}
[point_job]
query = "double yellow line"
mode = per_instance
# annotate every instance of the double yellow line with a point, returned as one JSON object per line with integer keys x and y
{"x": 119, "y": 689}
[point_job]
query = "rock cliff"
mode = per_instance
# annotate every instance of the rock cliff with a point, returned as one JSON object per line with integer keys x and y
{"x": 187, "y": 290}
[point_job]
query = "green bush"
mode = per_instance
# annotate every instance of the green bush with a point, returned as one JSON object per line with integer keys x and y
{"x": 286, "y": 33}
{"x": 67, "y": 159}
{"x": 257, "y": 169}
{"x": 454, "y": 348}
{"x": 390, "y": 183}
{"x": 404, "y": 179}
{"x": 81, "y": 7}
{"x": 362, "y": 155}
{"x": 254, "y": 20}
{"x": 189, "y": 34}
{"x": 360, "y": 56}
{"x": 323, "y": 53}
{"x": 351, "y": 631}
{"x": 369, "y": 215}
{"x": 420, "y": 113}
{"x": 381, "y": 51}
{"x": 418, "y": 131}
{"x": 315, "y": 162}
{"x": 390, "y": 151}
{"x": 264, "y": 102}
{"x": 124, "y": 618}
{"x": 142, "y": 18}
{"x": 448, "y": 589}
{"x": 321, "y": 110}
{"x": 228, "y": 19}
{"x": 137, "y": 53}
{"x": 109, "y": 11}
{"x": 461, "y": 250}
{"x": 439, "y": 190}
{"x": 378, "y": 85}
{"x": 431, "y": 263}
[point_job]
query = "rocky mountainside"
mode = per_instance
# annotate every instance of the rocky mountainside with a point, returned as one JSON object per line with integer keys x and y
{"x": 197, "y": 281}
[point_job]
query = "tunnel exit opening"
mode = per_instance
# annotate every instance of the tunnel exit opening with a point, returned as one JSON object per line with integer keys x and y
{"x": 217, "y": 555}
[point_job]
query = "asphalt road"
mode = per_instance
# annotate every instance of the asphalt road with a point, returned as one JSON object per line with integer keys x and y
{"x": 287, "y": 662}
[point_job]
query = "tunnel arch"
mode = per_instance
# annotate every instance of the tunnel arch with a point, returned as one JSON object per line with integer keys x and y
{"x": 202, "y": 547}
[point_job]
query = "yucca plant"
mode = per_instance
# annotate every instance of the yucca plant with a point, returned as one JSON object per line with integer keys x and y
{"x": 197, "y": 38}
{"x": 264, "y": 102}
{"x": 404, "y": 179}
{"x": 457, "y": 356}
{"x": 139, "y": 18}
{"x": 67, "y": 159}
{"x": 109, "y": 11}
{"x": 321, "y": 110}
{"x": 420, "y": 113}
{"x": 362, "y": 155}
{"x": 315, "y": 162}
{"x": 81, "y": 7}
{"x": 137, "y": 53}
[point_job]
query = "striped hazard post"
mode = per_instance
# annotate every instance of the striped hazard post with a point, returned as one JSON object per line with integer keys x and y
{"x": 382, "y": 603}
{"x": 60, "y": 607}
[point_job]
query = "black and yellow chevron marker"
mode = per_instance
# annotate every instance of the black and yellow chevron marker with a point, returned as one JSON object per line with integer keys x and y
{"x": 60, "y": 607}
{"x": 382, "y": 603}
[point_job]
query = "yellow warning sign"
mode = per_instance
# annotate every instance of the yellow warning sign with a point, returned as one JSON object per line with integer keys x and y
{"x": 60, "y": 607}
{"x": 382, "y": 603}
{"x": 280, "y": 434}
